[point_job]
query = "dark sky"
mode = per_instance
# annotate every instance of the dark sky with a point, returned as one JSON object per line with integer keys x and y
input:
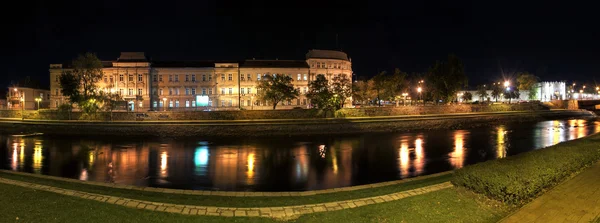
{"x": 554, "y": 41}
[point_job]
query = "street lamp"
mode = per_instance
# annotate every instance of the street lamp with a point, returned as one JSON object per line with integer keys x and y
{"x": 165, "y": 103}
{"x": 419, "y": 89}
{"x": 404, "y": 94}
{"x": 38, "y": 102}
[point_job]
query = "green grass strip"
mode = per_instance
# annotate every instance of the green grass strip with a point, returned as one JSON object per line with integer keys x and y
{"x": 222, "y": 201}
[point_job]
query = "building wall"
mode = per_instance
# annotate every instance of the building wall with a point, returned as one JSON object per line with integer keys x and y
{"x": 29, "y": 95}
{"x": 172, "y": 87}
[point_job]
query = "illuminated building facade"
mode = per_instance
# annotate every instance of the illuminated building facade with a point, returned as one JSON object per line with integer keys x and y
{"x": 205, "y": 85}
{"x": 26, "y": 98}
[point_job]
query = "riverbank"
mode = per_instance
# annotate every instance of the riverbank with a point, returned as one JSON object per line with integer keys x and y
{"x": 282, "y": 127}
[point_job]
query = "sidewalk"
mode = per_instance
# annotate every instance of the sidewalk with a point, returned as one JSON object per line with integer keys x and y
{"x": 576, "y": 200}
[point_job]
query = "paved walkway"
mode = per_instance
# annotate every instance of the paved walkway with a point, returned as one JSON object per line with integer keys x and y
{"x": 284, "y": 212}
{"x": 576, "y": 200}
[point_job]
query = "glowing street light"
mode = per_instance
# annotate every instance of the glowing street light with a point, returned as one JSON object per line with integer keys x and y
{"x": 419, "y": 89}
{"x": 38, "y": 102}
{"x": 506, "y": 84}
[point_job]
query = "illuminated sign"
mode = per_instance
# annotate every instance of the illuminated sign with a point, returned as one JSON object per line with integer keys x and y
{"x": 201, "y": 100}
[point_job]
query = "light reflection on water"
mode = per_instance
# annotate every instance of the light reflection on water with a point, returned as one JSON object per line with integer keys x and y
{"x": 284, "y": 163}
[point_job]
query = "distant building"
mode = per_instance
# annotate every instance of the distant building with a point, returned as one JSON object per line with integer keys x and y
{"x": 23, "y": 96}
{"x": 189, "y": 85}
{"x": 3, "y": 104}
{"x": 545, "y": 91}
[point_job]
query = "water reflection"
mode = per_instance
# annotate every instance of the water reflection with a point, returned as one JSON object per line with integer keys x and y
{"x": 286, "y": 163}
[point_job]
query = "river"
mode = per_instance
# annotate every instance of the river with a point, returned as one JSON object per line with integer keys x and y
{"x": 279, "y": 163}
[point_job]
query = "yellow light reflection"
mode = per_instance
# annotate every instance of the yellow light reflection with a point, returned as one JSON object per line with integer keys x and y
{"x": 250, "y": 173}
{"x": 457, "y": 157}
{"x": 91, "y": 158}
{"x": 419, "y": 155}
{"x": 334, "y": 160}
{"x": 501, "y": 146}
{"x": 37, "y": 158}
{"x": 163, "y": 164}
{"x": 21, "y": 154}
{"x": 83, "y": 175}
{"x": 404, "y": 158}
{"x": 581, "y": 130}
{"x": 13, "y": 164}
{"x": 572, "y": 127}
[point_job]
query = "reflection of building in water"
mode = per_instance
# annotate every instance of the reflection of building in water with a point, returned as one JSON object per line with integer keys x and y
{"x": 301, "y": 163}
{"x": 411, "y": 166}
{"x": 233, "y": 166}
{"x": 250, "y": 159}
{"x": 419, "y": 161}
{"x": 163, "y": 164}
{"x": 404, "y": 158}
{"x": 501, "y": 141}
{"x": 457, "y": 157}
{"x": 201, "y": 157}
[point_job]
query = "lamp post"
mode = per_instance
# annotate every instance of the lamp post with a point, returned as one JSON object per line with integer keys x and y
{"x": 419, "y": 89}
{"x": 404, "y": 94}
{"x": 38, "y": 102}
{"x": 22, "y": 107}
{"x": 165, "y": 103}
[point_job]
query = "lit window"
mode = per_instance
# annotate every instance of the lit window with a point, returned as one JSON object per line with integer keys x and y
{"x": 222, "y": 90}
{"x": 161, "y": 104}
{"x": 139, "y": 91}
{"x": 299, "y": 76}
{"x": 305, "y": 77}
{"x": 193, "y": 103}
{"x": 242, "y": 91}
{"x": 249, "y": 90}
{"x": 154, "y": 104}
{"x": 170, "y": 104}
{"x": 176, "y": 91}
{"x": 130, "y": 91}
{"x": 187, "y": 103}
{"x": 258, "y": 77}
{"x": 140, "y": 104}
{"x": 140, "y": 77}
{"x": 121, "y": 91}
{"x": 130, "y": 77}
{"x": 230, "y": 77}
{"x": 120, "y": 77}
{"x": 177, "y": 103}
{"x": 160, "y": 91}
{"x": 230, "y": 90}
{"x": 222, "y": 77}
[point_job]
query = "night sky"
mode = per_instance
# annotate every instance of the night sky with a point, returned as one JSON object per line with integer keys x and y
{"x": 554, "y": 41}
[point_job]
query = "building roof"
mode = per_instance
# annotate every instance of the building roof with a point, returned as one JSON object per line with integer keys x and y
{"x": 132, "y": 57}
{"x": 327, "y": 54}
{"x": 275, "y": 64}
{"x": 183, "y": 63}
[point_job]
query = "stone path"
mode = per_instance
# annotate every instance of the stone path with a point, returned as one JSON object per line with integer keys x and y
{"x": 229, "y": 193}
{"x": 576, "y": 200}
{"x": 284, "y": 212}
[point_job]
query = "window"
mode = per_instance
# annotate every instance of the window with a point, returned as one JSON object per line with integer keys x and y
{"x": 248, "y": 103}
{"x": 299, "y": 76}
{"x": 209, "y": 77}
{"x": 140, "y": 78}
{"x": 105, "y": 78}
{"x": 305, "y": 89}
{"x": 57, "y": 92}
{"x": 193, "y": 77}
{"x": 193, "y": 103}
{"x": 56, "y": 78}
{"x": 154, "y": 78}
{"x": 170, "y": 78}
{"x": 203, "y": 91}
{"x": 161, "y": 104}
{"x": 130, "y": 91}
{"x": 242, "y": 91}
{"x": 258, "y": 77}
{"x": 209, "y": 91}
{"x": 170, "y": 91}
{"x": 203, "y": 77}
{"x": 222, "y": 77}
{"x": 249, "y": 90}
{"x": 187, "y": 77}
{"x": 305, "y": 77}
{"x": 249, "y": 77}
{"x": 176, "y": 77}
{"x": 313, "y": 65}
{"x": 298, "y": 101}
{"x": 130, "y": 77}
{"x": 241, "y": 77}
{"x": 177, "y": 103}
{"x": 230, "y": 77}
{"x": 170, "y": 104}
{"x": 187, "y": 103}
{"x": 176, "y": 91}
{"x": 230, "y": 102}
{"x": 111, "y": 79}
{"x": 121, "y": 77}
{"x": 230, "y": 90}
{"x": 121, "y": 91}
{"x": 304, "y": 101}
{"x": 153, "y": 91}
{"x": 154, "y": 103}
{"x": 160, "y": 91}
{"x": 160, "y": 78}
{"x": 140, "y": 104}
{"x": 193, "y": 91}
{"x": 222, "y": 90}
{"x": 187, "y": 91}
{"x": 139, "y": 91}
{"x": 222, "y": 103}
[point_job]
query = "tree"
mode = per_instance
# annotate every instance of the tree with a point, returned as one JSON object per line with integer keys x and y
{"x": 511, "y": 94}
{"x": 360, "y": 91}
{"x": 394, "y": 85}
{"x": 79, "y": 85}
{"x": 467, "y": 96}
{"x": 446, "y": 78}
{"x": 482, "y": 92}
{"x": 319, "y": 93}
{"x": 276, "y": 88}
{"x": 527, "y": 81}
{"x": 341, "y": 87}
{"x": 379, "y": 84}
{"x": 110, "y": 101}
{"x": 496, "y": 91}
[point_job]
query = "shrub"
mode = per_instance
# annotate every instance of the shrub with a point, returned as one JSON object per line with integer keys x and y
{"x": 517, "y": 179}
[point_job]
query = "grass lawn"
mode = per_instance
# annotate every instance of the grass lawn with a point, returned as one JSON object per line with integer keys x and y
{"x": 448, "y": 205}
{"x": 232, "y": 201}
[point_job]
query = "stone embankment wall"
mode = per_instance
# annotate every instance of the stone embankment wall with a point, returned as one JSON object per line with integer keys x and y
{"x": 272, "y": 114}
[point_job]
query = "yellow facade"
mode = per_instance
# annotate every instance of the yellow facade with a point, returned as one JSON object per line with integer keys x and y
{"x": 221, "y": 85}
